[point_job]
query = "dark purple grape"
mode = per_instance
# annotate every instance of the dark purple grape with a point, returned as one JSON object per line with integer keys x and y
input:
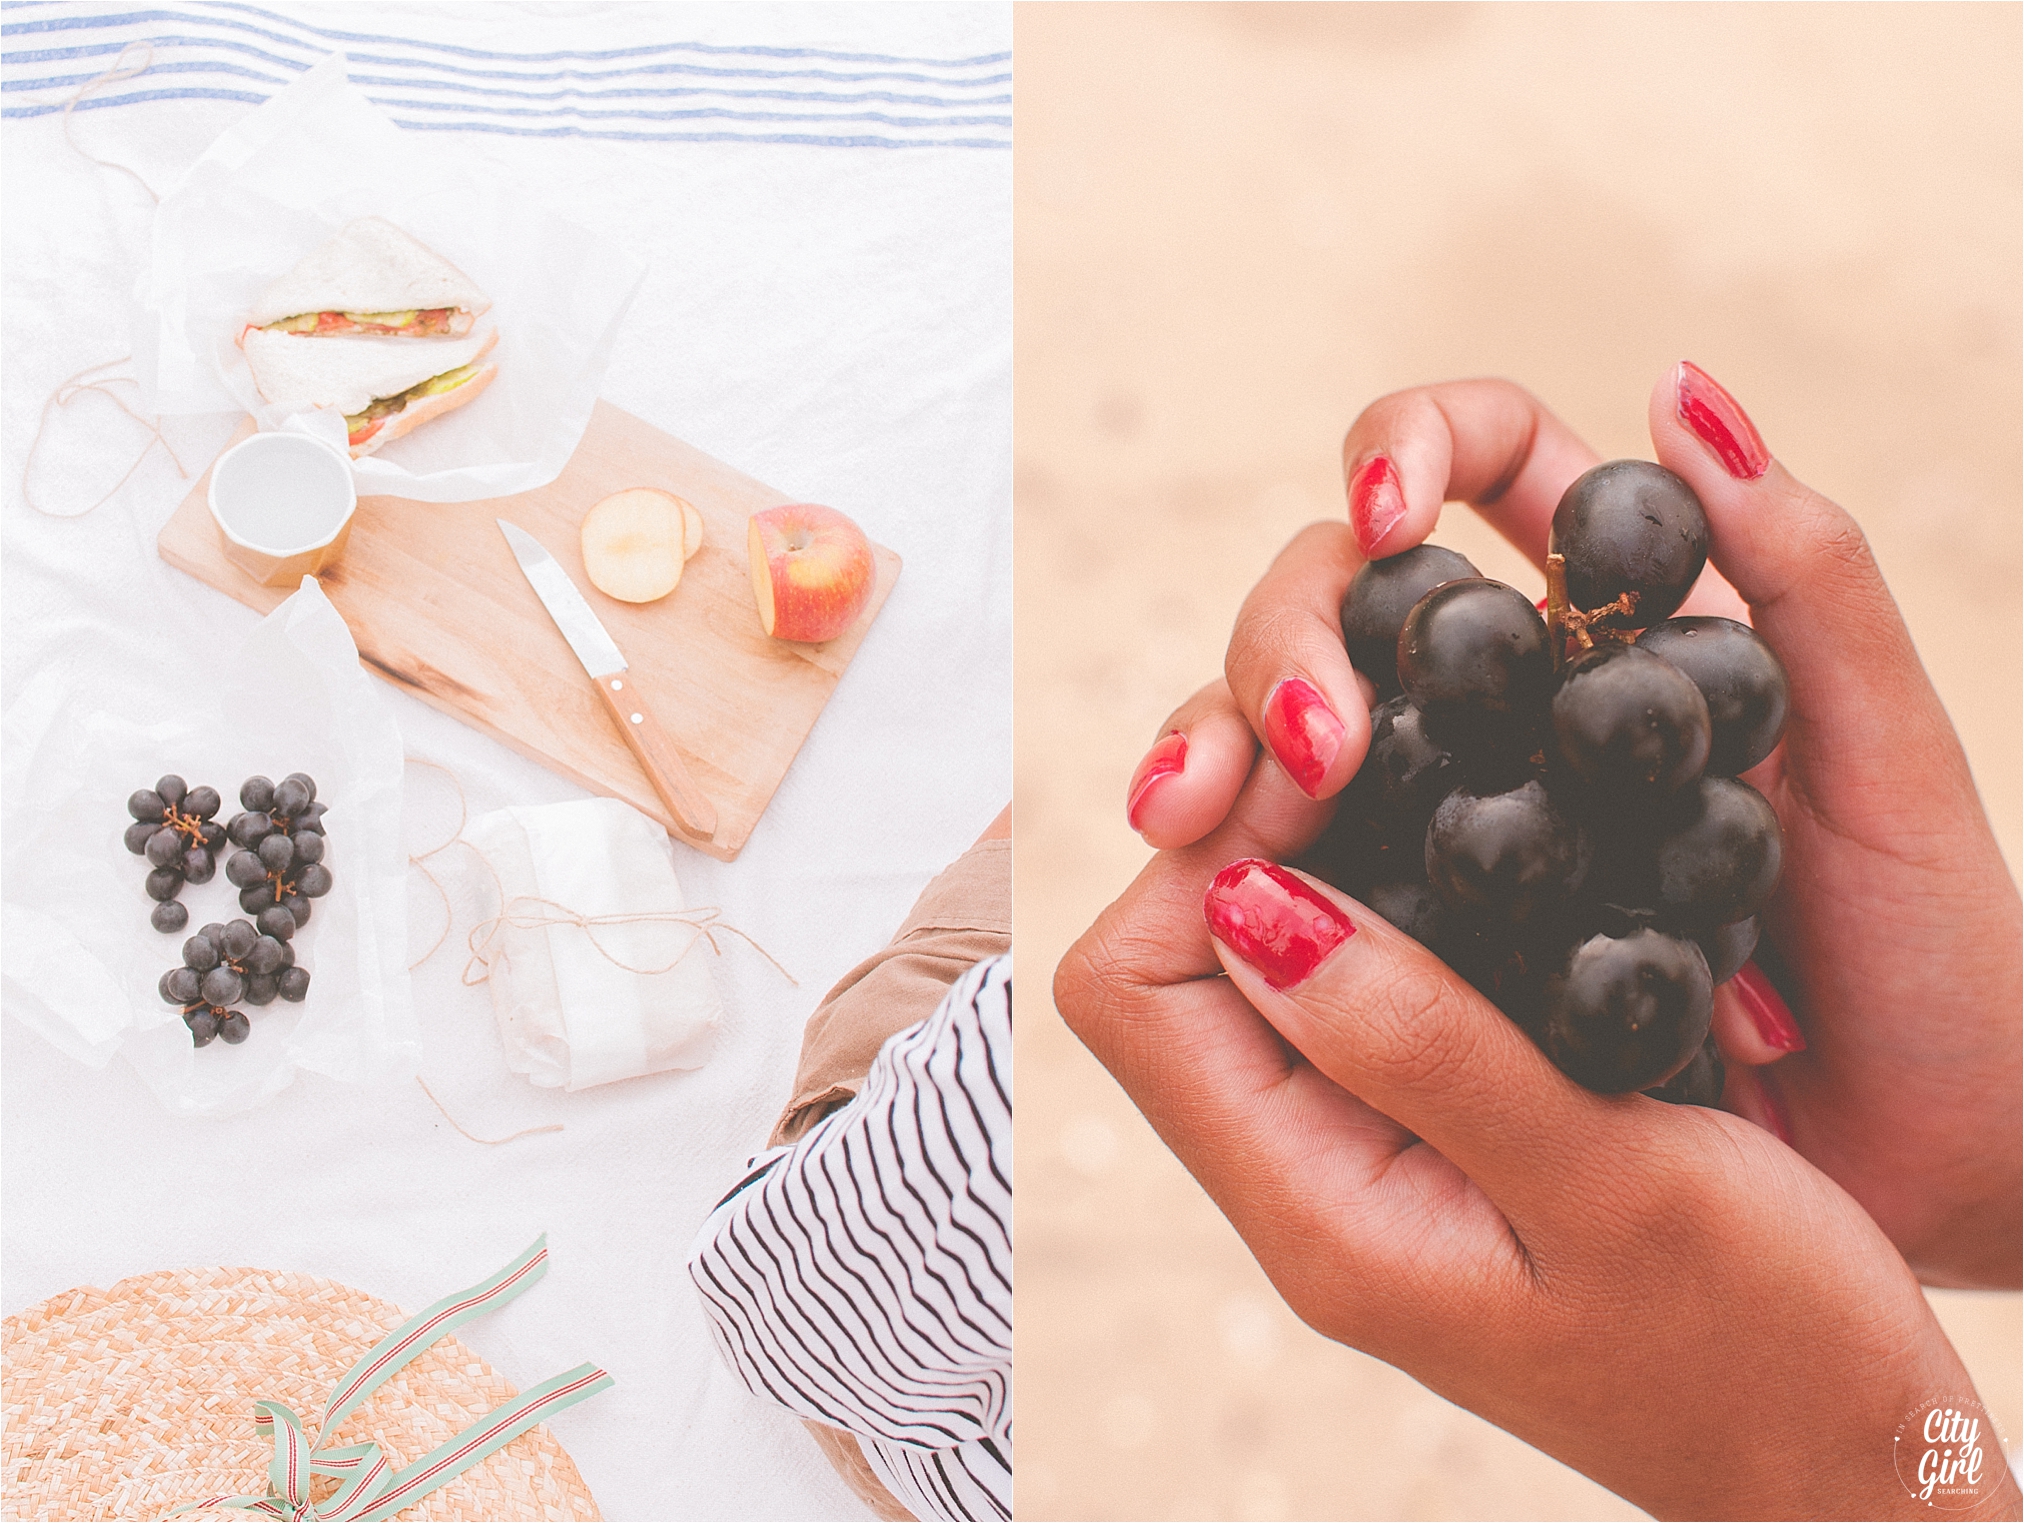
{"x": 239, "y": 938}
{"x": 266, "y": 956}
{"x": 202, "y": 802}
{"x": 1699, "y": 1083}
{"x": 256, "y": 794}
{"x": 314, "y": 881}
{"x": 170, "y": 789}
{"x": 308, "y": 846}
{"x": 214, "y": 932}
{"x": 169, "y": 915}
{"x": 234, "y": 1026}
{"x": 1717, "y": 857}
{"x": 1379, "y": 598}
{"x": 203, "y": 1026}
{"x": 312, "y": 819}
{"x": 1473, "y": 658}
{"x": 198, "y": 865}
{"x": 201, "y": 953}
{"x": 276, "y": 922}
{"x": 1739, "y": 676}
{"x": 298, "y": 907}
{"x": 1728, "y": 947}
{"x": 287, "y": 955}
{"x": 223, "y": 986}
{"x": 212, "y": 835}
{"x": 1627, "y": 1012}
{"x": 1410, "y": 772}
{"x": 181, "y": 986}
{"x": 1508, "y": 854}
{"x": 249, "y": 829}
{"x": 276, "y": 852}
{"x": 257, "y": 898}
{"x": 290, "y": 798}
{"x": 1630, "y": 526}
{"x": 1411, "y": 906}
{"x": 164, "y": 883}
{"x": 146, "y": 805}
{"x": 138, "y": 835}
{"x": 1629, "y": 723}
{"x": 295, "y": 985}
{"x": 243, "y": 869}
{"x": 262, "y": 987}
{"x": 165, "y": 848}
{"x": 308, "y": 783}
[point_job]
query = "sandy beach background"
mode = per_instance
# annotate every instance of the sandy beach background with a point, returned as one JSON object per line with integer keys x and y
{"x": 1236, "y": 226}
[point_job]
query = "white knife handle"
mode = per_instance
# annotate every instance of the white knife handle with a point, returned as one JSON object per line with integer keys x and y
{"x": 656, "y": 752}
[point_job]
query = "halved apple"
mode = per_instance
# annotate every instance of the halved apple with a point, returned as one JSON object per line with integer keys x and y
{"x": 635, "y": 543}
{"x": 812, "y": 571}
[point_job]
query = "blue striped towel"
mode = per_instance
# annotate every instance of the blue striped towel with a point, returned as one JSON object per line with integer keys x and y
{"x": 665, "y": 91}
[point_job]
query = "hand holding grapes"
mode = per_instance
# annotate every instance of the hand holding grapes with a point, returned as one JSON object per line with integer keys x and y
{"x": 1897, "y": 918}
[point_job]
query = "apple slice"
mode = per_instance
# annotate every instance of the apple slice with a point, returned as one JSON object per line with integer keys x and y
{"x": 635, "y": 544}
{"x": 692, "y": 529}
{"x": 812, "y": 571}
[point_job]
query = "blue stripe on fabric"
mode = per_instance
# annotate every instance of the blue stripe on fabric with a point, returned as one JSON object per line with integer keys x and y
{"x": 707, "y": 137}
{"x": 700, "y": 111}
{"x": 72, "y": 81}
{"x": 82, "y": 23}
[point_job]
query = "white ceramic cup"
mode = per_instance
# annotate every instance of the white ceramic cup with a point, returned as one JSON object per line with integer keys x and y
{"x": 283, "y": 503}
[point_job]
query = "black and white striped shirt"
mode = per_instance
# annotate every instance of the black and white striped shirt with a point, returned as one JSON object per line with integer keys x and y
{"x": 862, "y": 1277}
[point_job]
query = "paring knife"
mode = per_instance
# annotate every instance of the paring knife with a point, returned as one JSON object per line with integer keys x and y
{"x": 601, "y": 659}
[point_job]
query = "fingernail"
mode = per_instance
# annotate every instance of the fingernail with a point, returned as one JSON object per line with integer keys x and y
{"x": 1719, "y": 423}
{"x": 1167, "y": 758}
{"x": 1275, "y": 922}
{"x": 1303, "y": 732}
{"x": 1767, "y": 1009}
{"x": 1376, "y": 501}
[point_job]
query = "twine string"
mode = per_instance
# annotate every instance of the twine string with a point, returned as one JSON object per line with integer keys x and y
{"x": 77, "y": 385}
{"x": 68, "y": 392}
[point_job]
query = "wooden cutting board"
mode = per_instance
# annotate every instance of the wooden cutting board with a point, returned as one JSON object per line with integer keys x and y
{"x": 439, "y": 608}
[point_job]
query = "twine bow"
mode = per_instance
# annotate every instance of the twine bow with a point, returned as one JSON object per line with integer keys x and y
{"x": 530, "y": 912}
{"x": 372, "y": 1489}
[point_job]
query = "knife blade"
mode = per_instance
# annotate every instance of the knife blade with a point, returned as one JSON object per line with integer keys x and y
{"x": 605, "y": 665}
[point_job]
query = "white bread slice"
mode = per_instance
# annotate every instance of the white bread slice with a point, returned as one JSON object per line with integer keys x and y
{"x": 369, "y": 266}
{"x": 351, "y": 373}
{"x": 415, "y": 414}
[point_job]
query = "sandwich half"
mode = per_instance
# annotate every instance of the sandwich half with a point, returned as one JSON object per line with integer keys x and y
{"x": 371, "y": 279}
{"x": 386, "y": 388}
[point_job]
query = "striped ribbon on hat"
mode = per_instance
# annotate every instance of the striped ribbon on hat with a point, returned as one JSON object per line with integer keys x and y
{"x": 372, "y": 1488}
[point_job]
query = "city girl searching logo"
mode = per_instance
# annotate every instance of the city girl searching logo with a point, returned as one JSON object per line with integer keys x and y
{"x": 1948, "y": 1454}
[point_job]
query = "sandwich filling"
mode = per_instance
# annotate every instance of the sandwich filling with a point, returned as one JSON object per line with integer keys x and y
{"x": 362, "y": 426}
{"x": 432, "y": 323}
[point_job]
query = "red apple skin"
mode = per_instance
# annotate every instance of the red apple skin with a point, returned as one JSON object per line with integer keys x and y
{"x": 812, "y": 571}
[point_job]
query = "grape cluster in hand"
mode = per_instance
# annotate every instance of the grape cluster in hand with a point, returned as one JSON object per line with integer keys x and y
{"x": 1551, "y": 804}
{"x": 174, "y": 830}
{"x": 225, "y": 965}
{"x": 279, "y": 833}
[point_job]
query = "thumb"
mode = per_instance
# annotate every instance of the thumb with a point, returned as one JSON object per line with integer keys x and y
{"x": 1386, "y": 1020}
{"x": 1860, "y": 695}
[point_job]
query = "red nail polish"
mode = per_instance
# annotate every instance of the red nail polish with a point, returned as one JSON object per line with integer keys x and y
{"x": 1719, "y": 423}
{"x": 1167, "y": 758}
{"x": 1376, "y": 501}
{"x": 1767, "y": 1009}
{"x": 1272, "y": 920}
{"x": 1303, "y": 732}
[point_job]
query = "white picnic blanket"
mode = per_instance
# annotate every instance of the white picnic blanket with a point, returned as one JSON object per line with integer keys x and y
{"x": 822, "y": 195}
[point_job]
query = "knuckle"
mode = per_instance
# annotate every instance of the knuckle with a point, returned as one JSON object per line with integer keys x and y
{"x": 1416, "y": 1042}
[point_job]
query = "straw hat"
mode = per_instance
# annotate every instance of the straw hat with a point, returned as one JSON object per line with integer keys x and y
{"x": 134, "y": 1401}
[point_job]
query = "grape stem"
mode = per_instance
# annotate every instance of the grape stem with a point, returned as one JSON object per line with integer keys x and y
{"x": 1563, "y": 622}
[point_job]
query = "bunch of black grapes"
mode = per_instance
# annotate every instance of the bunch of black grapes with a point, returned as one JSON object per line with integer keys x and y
{"x": 225, "y": 964}
{"x": 173, "y": 828}
{"x": 279, "y": 833}
{"x": 1552, "y": 804}
{"x": 278, "y": 869}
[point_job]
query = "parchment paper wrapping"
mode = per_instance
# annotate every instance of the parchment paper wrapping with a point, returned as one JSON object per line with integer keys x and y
{"x": 583, "y": 1005}
{"x": 80, "y": 960}
{"x": 311, "y": 159}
